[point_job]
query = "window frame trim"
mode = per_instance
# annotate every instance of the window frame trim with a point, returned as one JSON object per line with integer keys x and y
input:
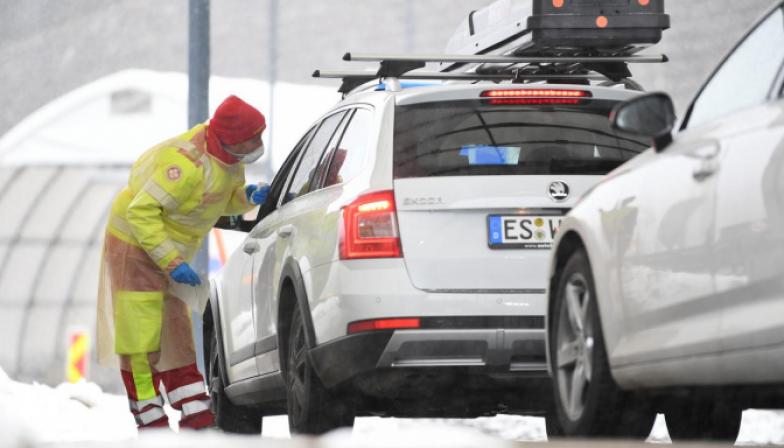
{"x": 319, "y": 184}
{"x": 318, "y": 125}
{"x": 355, "y": 109}
{"x": 343, "y": 108}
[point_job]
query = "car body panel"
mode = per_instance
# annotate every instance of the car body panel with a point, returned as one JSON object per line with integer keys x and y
{"x": 237, "y": 315}
{"x": 690, "y": 284}
{"x": 355, "y": 290}
{"x": 749, "y": 238}
{"x": 444, "y": 229}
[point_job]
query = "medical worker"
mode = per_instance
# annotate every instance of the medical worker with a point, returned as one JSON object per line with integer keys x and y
{"x": 176, "y": 192}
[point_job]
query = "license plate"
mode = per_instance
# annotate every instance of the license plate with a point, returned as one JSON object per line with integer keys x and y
{"x": 522, "y": 231}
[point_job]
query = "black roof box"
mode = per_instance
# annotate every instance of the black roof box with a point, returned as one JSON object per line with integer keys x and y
{"x": 599, "y": 24}
{"x": 561, "y": 27}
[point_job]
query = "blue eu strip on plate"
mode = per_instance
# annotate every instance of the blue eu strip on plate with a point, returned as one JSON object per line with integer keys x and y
{"x": 496, "y": 237}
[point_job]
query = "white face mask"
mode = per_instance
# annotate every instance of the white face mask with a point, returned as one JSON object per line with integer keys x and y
{"x": 249, "y": 157}
{"x": 254, "y": 155}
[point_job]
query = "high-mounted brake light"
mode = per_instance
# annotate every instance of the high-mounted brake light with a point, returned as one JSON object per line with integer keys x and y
{"x": 369, "y": 228}
{"x": 384, "y": 324}
{"x": 532, "y": 101}
{"x": 535, "y": 93}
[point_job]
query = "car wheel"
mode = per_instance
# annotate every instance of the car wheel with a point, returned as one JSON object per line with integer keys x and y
{"x": 588, "y": 402}
{"x": 228, "y": 416}
{"x": 312, "y": 409}
{"x": 704, "y": 419}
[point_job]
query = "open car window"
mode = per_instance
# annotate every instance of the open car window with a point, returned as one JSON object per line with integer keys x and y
{"x": 276, "y": 187}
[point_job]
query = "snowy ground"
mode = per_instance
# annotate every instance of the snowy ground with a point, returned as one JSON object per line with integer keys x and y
{"x": 82, "y": 415}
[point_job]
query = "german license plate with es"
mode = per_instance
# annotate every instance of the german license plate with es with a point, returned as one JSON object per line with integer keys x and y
{"x": 522, "y": 231}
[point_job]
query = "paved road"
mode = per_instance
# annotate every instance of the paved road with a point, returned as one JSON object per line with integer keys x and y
{"x": 214, "y": 440}
{"x": 497, "y": 432}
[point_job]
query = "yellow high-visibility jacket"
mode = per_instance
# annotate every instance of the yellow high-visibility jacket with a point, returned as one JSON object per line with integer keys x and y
{"x": 175, "y": 195}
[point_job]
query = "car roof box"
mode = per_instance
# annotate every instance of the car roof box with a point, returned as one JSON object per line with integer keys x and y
{"x": 541, "y": 27}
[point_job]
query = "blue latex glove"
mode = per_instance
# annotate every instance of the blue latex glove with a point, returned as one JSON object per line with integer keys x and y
{"x": 257, "y": 194}
{"x": 249, "y": 190}
{"x": 185, "y": 274}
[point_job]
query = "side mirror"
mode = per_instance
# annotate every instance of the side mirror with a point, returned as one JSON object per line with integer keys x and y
{"x": 651, "y": 115}
{"x": 229, "y": 222}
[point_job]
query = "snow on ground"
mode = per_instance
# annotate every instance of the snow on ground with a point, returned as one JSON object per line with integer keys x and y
{"x": 82, "y": 415}
{"x": 34, "y": 413}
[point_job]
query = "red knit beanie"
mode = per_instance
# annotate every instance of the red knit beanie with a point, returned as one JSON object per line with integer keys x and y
{"x": 236, "y": 121}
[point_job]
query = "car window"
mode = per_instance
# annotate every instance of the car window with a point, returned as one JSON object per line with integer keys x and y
{"x": 321, "y": 170}
{"x": 475, "y": 138}
{"x": 300, "y": 184}
{"x": 746, "y": 77}
{"x": 276, "y": 187}
{"x": 345, "y": 159}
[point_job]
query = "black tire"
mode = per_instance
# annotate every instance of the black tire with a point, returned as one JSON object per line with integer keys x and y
{"x": 588, "y": 402}
{"x": 704, "y": 418}
{"x": 228, "y": 416}
{"x": 552, "y": 425}
{"x": 312, "y": 409}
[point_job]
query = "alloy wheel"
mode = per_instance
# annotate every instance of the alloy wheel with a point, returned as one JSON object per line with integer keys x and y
{"x": 298, "y": 374}
{"x": 574, "y": 343}
{"x": 213, "y": 374}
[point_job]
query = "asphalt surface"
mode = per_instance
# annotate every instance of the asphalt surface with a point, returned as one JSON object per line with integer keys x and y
{"x": 220, "y": 440}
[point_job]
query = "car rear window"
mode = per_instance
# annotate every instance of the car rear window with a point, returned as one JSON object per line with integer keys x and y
{"x": 474, "y": 138}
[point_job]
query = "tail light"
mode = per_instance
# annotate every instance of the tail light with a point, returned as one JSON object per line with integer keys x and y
{"x": 534, "y": 97}
{"x": 370, "y": 228}
{"x": 532, "y": 101}
{"x": 536, "y": 93}
{"x": 384, "y": 324}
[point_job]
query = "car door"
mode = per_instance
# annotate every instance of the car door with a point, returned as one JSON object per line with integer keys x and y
{"x": 238, "y": 316}
{"x": 670, "y": 277}
{"x": 241, "y": 280}
{"x": 665, "y": 277}
{"x": 273, "y": 234}
{"x": 749, "y": 238}
{"x": 257, "y": 249}
{"x": 749, "y": 241}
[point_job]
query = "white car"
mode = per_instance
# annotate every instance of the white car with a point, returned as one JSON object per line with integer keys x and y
{"x": 667, "y": 279}
{"x": 399, "y": 265}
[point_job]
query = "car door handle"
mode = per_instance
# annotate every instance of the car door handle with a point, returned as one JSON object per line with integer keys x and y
{"x": 708, "y": 152}
{"x": 250, "y": 247}
{"x": 286, "y": 231}
{"x": 704, "y": 172}
{"x": 708, "y": 162}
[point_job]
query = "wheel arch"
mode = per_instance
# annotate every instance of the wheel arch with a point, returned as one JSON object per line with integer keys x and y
{"x": 569, "y": 243}
{"x": 292, "y": 292}
{"x": 573, "y": 239}
{"x": 213, "y": 311}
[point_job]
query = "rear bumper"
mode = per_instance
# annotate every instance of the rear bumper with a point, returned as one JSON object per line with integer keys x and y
{"x": 344, "y": 292}
{"x": 491, "y": 351}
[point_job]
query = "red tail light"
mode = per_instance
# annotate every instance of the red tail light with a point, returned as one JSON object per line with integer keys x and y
{"x": 532, "y": 101}
{"x": 383, "y": 324}
{"x": 535, "y": 93}
{"x": 370, "y": 228}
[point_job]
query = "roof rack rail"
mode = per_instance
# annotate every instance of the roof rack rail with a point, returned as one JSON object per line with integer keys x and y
{"x": 491, "y": 59}
{"x": 610, "y": 70}
{"x": 353, "y": 79}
